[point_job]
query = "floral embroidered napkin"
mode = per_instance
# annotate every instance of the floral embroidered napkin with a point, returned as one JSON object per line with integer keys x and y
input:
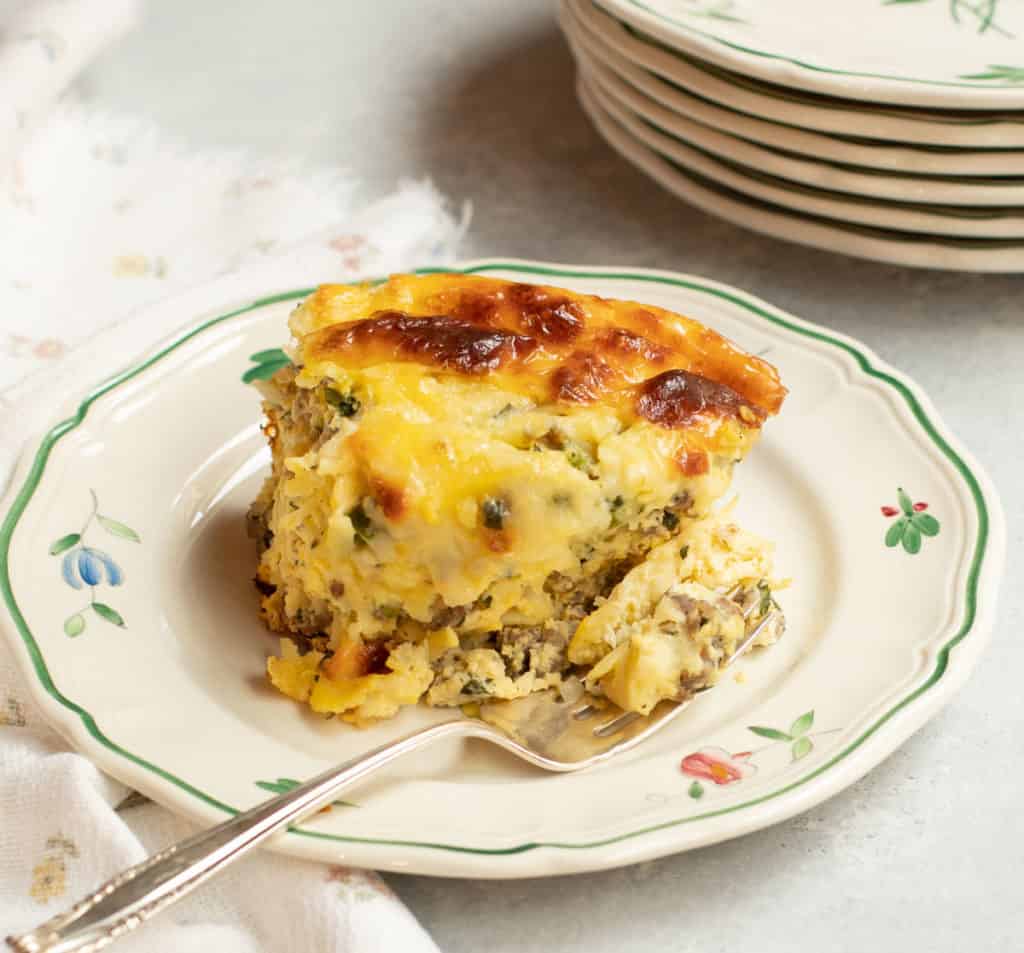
{"x": 98, "y": 216}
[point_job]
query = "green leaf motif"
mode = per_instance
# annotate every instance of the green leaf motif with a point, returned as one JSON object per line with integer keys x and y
{"x": 802, "y": 747}
{"x": 282, "y": 785}
{"x": 721, "y": 10}
{"x": 911, "y": 528}
{"x": 64, "y": 543}
{"x": 118, "y": 529}
{"x": 895, "y": 534}
{"x": 906, "y": 504}
{"x": 1003, "y": 73}
{"x": 773, "y": 733}
{"x": 279, "y": 786}
{"x": 912, "y": 539}
{"x": 981, "y": 12}
{"x": 105, "y": 612}
{"x": 803, "y": 724}
{"x": 271, "y": 355}
{"x": 696, "y": 790}
{"x": 74, "y": 625}
{"x": 263, "y": 372}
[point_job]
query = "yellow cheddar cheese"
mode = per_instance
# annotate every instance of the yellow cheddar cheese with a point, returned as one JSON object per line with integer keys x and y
{"x": 481, "y": 487}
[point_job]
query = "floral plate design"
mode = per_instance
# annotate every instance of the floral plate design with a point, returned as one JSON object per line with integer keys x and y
{"x": 950, "y": 54}
{"x": 973, "y": 130}
{"x": 170, "y": 696}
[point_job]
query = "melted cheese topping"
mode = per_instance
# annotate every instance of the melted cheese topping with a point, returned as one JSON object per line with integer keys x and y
{"x": 500, "y": 435}
{"x": 547, "y": 344}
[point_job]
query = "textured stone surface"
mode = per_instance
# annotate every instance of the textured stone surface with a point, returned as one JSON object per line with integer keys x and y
{"x": 925, "y": 852}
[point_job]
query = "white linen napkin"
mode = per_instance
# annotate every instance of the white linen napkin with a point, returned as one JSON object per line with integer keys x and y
{"x": 98, "y": 216}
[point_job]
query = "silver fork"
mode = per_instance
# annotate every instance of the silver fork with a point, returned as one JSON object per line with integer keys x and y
{"x": 551, "y": 733}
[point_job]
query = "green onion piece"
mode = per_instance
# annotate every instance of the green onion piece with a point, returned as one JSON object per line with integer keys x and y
{"x": 345, "y": 404}
{"x": 361, "y": 523}
{"x": 495, "y": 512}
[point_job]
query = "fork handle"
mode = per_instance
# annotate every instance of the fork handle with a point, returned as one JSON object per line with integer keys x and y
{"x": 136, "y": 894}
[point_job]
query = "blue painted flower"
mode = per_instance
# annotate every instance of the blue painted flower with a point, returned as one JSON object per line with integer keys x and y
{"x": 89, "y": 566}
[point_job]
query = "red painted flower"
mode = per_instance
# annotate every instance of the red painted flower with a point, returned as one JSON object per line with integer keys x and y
{"x": 920, "y": 507}
{"x": 889, "y": 511}
{"x": 717, "y": 765}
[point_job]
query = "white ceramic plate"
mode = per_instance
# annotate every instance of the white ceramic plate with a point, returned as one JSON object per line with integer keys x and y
{"x": 947, "y": 221}
{"x": 806, "y": 170}
{"x": 961, "y": 54}
{"x": 986, "y": 169}
{"x": 804, "y": 110}
{"x": 864, "y": 153}
{"x": 159, "y": 678}
{"x": 878, "y": 244}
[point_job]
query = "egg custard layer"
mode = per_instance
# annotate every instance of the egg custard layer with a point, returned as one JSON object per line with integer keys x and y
{"x": 482, "y": 489}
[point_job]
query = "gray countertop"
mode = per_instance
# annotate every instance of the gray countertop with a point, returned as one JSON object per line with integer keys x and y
{"x": 923, "y": 854}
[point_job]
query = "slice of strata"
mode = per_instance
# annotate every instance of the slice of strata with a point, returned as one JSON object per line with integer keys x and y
{"x": 482, "y": 489}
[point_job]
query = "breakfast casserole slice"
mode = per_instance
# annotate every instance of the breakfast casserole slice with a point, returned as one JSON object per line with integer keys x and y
{"x": 482, "y": 489}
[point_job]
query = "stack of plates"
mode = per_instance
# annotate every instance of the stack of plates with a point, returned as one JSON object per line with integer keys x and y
{"x": 888, "y": 129}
